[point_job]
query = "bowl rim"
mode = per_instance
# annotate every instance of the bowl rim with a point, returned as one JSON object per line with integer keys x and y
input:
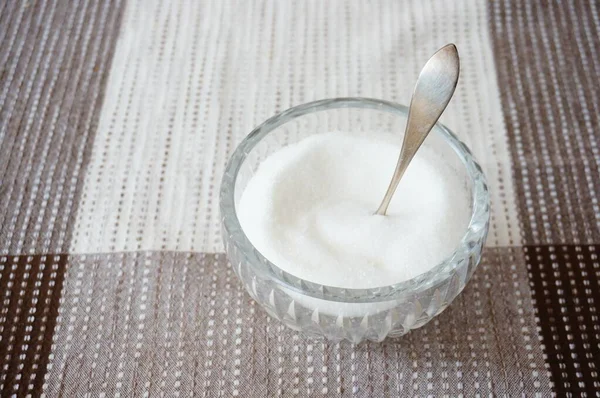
{"x": 474, "y": 235}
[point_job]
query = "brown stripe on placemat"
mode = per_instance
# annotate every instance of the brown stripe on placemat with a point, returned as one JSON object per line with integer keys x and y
{"x": 566, "y": 285}
{"x": 548, "y": 61}
{"x": 181, "y": 324}
{"x": 30, "y": 288}
{"x": 55, "y": 58}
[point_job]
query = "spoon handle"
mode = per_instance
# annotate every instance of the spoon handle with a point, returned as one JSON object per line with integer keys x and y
{"x": 432, "y": 93}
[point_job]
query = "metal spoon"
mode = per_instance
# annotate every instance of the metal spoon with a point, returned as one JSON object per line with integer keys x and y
{"x": 434, "y": 88}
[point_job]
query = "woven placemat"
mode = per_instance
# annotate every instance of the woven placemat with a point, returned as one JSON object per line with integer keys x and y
{"x": 117, "y": 119}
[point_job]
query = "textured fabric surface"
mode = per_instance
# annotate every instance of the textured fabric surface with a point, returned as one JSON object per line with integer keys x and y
{"x": 179, "y": 323}
{"x": 117, "y": 118}
{"x": 54, "y": 61}
{"x": 566, "y": 281}
{"x": 191, "y": 79}
{"x": 31, "y": 288}
{"x": 549, "y": 64}
{"x": 54, "y": 58}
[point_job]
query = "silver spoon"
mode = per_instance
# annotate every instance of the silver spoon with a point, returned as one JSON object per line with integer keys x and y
{"x": 434, "y": 88}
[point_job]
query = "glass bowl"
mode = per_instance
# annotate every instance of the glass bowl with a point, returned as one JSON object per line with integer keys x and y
{"x": 333, "y": 312}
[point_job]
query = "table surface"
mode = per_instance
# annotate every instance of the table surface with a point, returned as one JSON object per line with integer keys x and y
{"x": 117, "y": 118}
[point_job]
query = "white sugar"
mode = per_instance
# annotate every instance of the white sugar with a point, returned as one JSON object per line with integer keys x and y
{"x": 309, "y": 210}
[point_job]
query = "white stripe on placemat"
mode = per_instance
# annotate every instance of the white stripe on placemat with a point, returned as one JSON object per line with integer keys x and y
{"x": 189, "y": 80}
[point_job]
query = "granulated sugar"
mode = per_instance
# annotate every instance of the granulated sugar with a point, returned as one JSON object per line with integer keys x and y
{"x": 310, "y": 209}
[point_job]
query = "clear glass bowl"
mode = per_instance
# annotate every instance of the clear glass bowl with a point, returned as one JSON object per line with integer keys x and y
{"x": 332, "y": 312}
